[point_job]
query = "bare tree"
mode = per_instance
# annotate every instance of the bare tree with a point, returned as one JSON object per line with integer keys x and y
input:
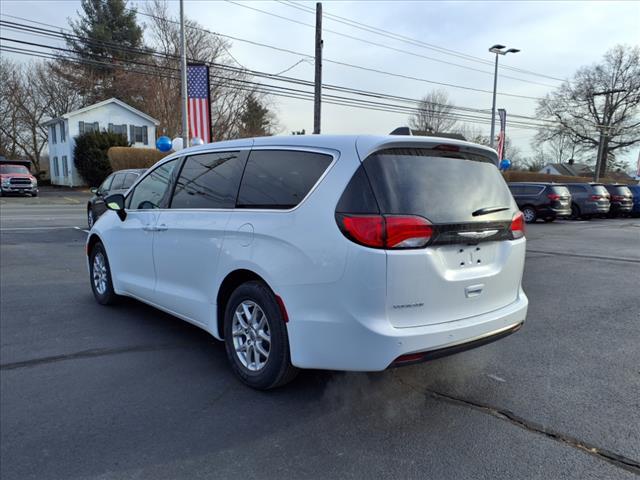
{"x": 434, "y": 113}
{"x": 228, "y": 90}
{"x": 22, "y": 111}
{"x": 580, "y": 113}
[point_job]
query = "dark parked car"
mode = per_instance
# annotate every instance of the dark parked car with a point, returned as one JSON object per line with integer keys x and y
{"x": 117, "y": 182}
{"x": 541, "y": 200}
{"x": 635, "y": 190}
{"x": 588, "y": 200}
{"x": 621, "y": 199}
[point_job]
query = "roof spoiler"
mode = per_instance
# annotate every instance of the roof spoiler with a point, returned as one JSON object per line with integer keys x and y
{"x": 402, "y": 131}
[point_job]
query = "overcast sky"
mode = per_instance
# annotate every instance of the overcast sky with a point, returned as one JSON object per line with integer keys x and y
{"x": 555, "y": 38}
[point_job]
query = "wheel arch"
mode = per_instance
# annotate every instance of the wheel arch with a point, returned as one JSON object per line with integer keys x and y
{"x": 93, "y": 239}
{"x": 232, "y": 281}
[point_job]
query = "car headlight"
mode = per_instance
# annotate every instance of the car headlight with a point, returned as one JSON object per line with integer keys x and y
{"x": 34, "y": 182}
{"x": 5, "y": 182}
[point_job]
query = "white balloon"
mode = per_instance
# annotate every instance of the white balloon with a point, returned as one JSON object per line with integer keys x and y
{"x": 196, "y": 141}
{"x": 177, "y": 144}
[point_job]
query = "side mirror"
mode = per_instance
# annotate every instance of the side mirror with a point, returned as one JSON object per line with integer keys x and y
{"x": 93, "y": 190}
{"x": 115, "y": 202}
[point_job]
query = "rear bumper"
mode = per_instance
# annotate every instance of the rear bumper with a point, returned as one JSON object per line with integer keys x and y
{"x": 619, "y": 207}
{"x": 593, "y": 208}
{"x": 355, "y": 345}
{"x": 553, "y": 212}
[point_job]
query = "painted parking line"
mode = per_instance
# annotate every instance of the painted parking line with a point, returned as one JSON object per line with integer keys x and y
{"x": 26, "y": 229}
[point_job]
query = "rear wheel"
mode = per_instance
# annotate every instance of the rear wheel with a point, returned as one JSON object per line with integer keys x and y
{"x": 255, "y": 337}
{"x": 100, "y": 274}
{"x": 575, "y": 211}
{"x": 529, "y": 214}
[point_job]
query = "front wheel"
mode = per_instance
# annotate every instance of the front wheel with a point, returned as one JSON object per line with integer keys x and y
{"x": 529, "y": 214}
{"x": 100, "y": 274}
{"x": 255, "y": 337}
{"x": 91, "y": 218}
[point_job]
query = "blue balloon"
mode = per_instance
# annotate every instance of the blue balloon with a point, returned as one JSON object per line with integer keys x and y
{"x": 163, "y": 144}
{"x": 505, "y": 164}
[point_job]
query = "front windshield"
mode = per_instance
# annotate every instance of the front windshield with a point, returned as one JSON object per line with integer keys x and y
{"x": 4, "y": 169}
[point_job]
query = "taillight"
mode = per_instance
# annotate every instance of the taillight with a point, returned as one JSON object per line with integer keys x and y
{"x": 617, "y": 197}
{"x": 386, "y": 231}
{"x": 517, "y": 226}
{"x": 596, "y": 197}
{"x": 553, "y": 196}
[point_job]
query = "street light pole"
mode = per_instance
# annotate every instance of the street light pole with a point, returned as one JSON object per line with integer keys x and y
{"x": 498, "y": 50}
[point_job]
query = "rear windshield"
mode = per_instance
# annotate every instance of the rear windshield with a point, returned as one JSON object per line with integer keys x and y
{"x": 600, "y": 190}
{"x": 620, "y": 190}
{"x": 444, "y": 187}
{"x": 560, "y": 190}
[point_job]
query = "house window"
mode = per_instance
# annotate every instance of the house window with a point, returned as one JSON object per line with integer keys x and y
{"x": 138, "y": 134}
{"x": 119, "y": 129}
{"x": 56, "y": 169}
{"x": 63, "y": 134}
{"x": 85, "y": 127}
{"x": 65, "y": 166}
{"x": 53, "y": 134}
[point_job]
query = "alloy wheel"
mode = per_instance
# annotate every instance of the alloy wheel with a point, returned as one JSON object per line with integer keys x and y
{"x": 529, "y": 215}
{"x": 100, "y": 273}
{"x": 251, "y": 335}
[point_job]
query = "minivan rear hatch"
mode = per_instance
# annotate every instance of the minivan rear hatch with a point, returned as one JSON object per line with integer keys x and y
{"x": 471, "y": 265}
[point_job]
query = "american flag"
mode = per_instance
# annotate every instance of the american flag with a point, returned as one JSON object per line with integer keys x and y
{"x": 198, "y": 102}
{"x": 503, "y": 124}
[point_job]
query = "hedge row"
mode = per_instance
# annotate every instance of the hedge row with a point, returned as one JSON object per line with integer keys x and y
{"x": 516, "y": 176}
{"x": 121, "y": 158}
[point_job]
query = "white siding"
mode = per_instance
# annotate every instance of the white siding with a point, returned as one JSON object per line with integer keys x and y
{"x": 104, "y": 115}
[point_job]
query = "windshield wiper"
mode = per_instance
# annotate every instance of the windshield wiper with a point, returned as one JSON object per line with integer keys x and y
{"x": 488, "y": 210}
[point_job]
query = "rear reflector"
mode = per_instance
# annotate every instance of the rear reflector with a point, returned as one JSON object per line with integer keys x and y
{"x": 411, "y": 357}
{"x": 517, "y": 226}
{"x": 283, "y": 310}
{"x": 386, "y": 231}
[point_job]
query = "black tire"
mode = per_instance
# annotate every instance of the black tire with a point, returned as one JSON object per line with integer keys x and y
{"x": 277, "y": 370}
{"x": 91, "y": 218}
{"x": 530, "y": 214}
{"x": 549, "y": 219}
{"x": 105, "y": 295}
{"x": 575, "y": 212}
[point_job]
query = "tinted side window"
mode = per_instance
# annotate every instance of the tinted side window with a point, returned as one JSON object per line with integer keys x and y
{"x": 129, "y": 179}
{"x": 209, "y": 180}
{"x": 152, "y": 191}
{"x": 532, "y": 190}
{"x": 515, "y": 189}
{"x": 280, "y": 178}
{"x": 358, "y": 196}
{"x": 118, "y": 181}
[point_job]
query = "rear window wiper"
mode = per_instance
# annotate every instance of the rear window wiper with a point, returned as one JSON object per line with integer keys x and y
{"x": 488, "y": 210}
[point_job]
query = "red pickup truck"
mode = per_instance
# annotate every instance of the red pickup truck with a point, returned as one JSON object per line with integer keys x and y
{"x": 16, "y": 178}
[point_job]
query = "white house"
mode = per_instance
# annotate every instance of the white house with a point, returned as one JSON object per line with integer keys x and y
{"x": 112, "y": 115}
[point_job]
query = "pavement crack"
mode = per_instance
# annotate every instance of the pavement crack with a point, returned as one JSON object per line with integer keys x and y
{"x": 609, "y": 456}
{"x": 94, "y": 352}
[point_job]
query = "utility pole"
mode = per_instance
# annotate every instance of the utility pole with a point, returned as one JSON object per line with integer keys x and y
{"x": 317, "y": 97}
{"x": 183, "y": 72}
{"x": 601, "y": 158}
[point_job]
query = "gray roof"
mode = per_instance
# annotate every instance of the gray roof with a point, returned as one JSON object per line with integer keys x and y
{"x": 574, "y": 170}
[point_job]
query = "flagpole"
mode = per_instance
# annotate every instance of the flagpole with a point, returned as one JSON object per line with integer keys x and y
{"x": 183, "y": 71}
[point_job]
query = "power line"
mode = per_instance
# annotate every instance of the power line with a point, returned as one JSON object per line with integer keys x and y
{"x": 413, "y": 41}
{"x": 273, "y": 90}
{"x": 148, "y": 51}
{"x": 380, "y": 45}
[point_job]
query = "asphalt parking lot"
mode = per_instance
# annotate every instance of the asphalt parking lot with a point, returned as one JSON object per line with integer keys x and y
{"x": 97, "y": 392}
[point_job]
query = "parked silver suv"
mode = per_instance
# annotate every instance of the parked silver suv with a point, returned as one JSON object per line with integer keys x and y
{"x": 588, "y": 200}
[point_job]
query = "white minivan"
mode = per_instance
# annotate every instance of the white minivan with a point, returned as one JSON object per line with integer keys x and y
{"x": 328, "y": 252}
